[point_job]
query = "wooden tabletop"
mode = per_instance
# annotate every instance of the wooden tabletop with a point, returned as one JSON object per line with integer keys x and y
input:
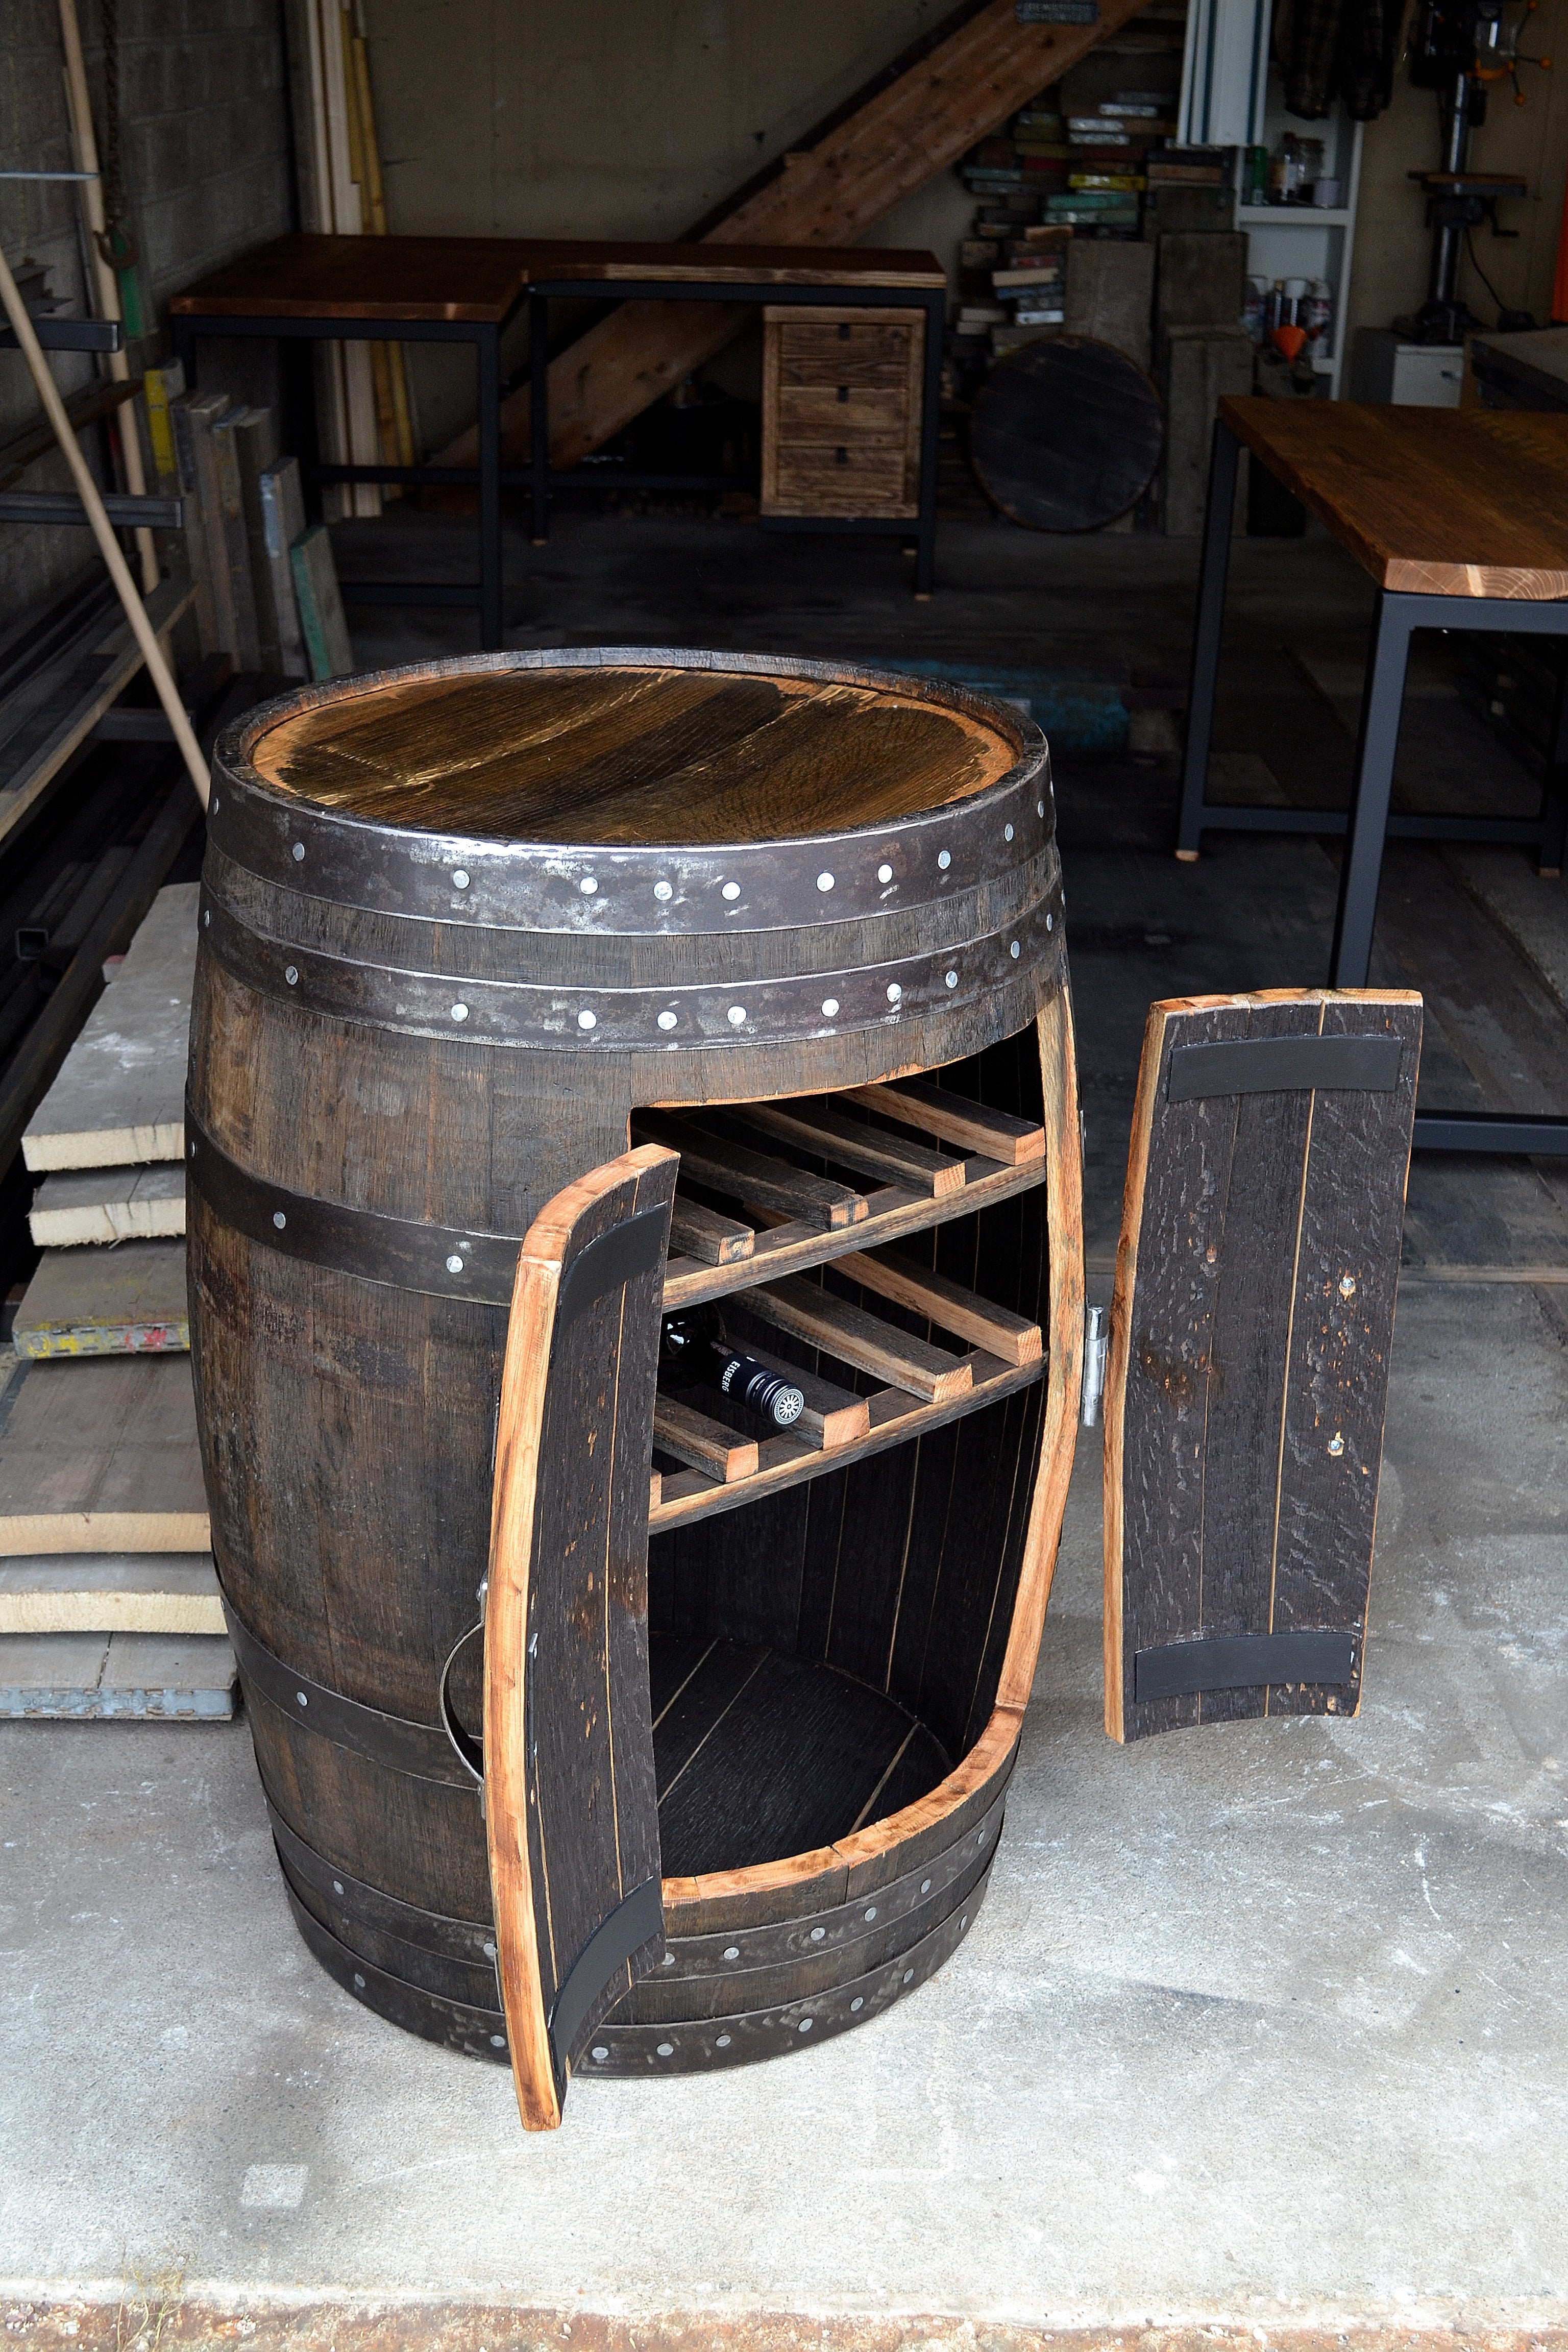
{"x": 482, "y": 279}
{"x": 1430, "y": 502}
{"x": 655, "y": 752}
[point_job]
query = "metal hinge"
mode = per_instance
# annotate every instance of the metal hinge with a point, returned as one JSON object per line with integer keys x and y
{"x": 1096, "y": 1347}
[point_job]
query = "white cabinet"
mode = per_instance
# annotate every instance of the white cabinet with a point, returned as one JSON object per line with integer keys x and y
{"x": 1411, "y": 376}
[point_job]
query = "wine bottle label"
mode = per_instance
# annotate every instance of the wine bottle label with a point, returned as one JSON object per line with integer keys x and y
{"x": 766, "y": 1394}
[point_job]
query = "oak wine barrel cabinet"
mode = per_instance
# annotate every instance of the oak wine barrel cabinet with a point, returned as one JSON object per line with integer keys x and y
{"x": 556, "y": 992}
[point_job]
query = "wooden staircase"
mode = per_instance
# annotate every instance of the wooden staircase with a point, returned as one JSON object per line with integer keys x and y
{"x": 914, "y": 120}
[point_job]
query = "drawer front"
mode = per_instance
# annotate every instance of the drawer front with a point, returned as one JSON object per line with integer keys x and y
{"x": 849, "y": 352}
{"x": 846, "y": 479}
{"x": 843, "y": 412}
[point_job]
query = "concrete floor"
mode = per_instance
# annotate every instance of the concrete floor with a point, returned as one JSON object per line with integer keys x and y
{"x": 1263, "y": 2029}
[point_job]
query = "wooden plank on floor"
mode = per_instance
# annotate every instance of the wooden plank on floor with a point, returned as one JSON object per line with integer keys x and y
{"x": 111, "y": 1593}
{"x": 101, "y": 1456}
{"x": 129, "y": 1301}
{"x": 149, "y": 1677}
{"x": 120, "y": 1096}
{"x": 83, "y": 1205}
{"x": 60, "y": 707}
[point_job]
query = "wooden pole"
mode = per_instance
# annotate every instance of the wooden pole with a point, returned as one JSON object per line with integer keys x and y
{"x": 86, "y": 145}
{"x": 103, "y": 531}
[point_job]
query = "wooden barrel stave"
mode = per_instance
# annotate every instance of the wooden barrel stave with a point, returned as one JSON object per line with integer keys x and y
{"x": 309, "y": 1395}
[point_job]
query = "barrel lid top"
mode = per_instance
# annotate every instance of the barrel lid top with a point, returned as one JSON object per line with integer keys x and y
{"x": 634, "y": 748}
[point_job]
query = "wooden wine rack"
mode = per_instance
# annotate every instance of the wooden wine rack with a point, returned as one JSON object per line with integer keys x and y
{"x": 794, "y": 1216}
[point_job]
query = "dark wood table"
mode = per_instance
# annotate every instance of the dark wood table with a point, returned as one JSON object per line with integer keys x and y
{"x": 1460, "y": 517}
{"x": 468, "y": 290}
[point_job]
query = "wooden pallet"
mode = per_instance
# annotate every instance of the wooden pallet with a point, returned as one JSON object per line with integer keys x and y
{"x": 120, "y": 1096}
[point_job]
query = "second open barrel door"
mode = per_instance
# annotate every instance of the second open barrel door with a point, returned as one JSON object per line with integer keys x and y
{"x": 570, "y": 1800}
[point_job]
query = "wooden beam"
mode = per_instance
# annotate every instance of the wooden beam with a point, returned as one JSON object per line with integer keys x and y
{"x": 842, "y": 179}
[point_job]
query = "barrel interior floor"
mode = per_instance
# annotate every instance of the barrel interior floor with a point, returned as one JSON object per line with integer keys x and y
{"x": 761, "y": 1755}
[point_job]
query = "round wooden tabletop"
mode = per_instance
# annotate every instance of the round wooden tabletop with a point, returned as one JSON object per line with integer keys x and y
{"x": 635, "y": 749}
{"x": 1066, "y": 435}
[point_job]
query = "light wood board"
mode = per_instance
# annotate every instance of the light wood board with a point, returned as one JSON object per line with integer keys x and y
{"x": 129, "y": 1301}
{"x": 101, "y": 1456}
{"x": 153, "y": 1677}
{"x": 121, "y": 1094}
{"x": 109, "y": 1204}
{"x": 111, "y": 1592}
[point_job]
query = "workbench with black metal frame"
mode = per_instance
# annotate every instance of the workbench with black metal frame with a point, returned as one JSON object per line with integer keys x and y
{"x": 405, "y": 290}
{"x": 1460, "y": 517}
{"x": 863, "y": 277}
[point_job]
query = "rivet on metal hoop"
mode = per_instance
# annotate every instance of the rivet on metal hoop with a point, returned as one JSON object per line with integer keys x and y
{"x": 1050, "y": 922}
{"x": 302, "y": 1699}
{"x": 460, "y": 1012}
{"x": 663, "y": 890}
{"x": 1006, "y": 833}
{"x": 1039, "y": 808}
{"x": 953, "y": 979}
{"x": 830, "y": 1006}
{"x": 667, "y": 1020}
{"x": 666, "y": 2049}
{"x": 586, "y": 1020}
{"x": 925, "y": 1886}
{"x": 817, "y": 1934}
{"x": 824, "y": 881}
{"x": 298, "y": 853}
{"x": 497, "y": 2040}
{"x": 737, "y": 1016}
{"x": 731, "y": 1951}
{"x": 908, "y": 1975}
{"x": 871, "y": 1913}
{"x": 806, "y": 2024}
{"x": 337, "y": 1886}
{"x": 459, "y": 879}
{"x": 291, "y": 975}
{"x": 884, "y": 873}
{"x": 944, "y": 859}
{"x": 600, "y": 2052}
{"x": 278, "y": 1219}
{"x": 894, "y": 992}
{"x": 859, "y": 2002}
{"x": 359, "y": 1983}
{"x": 454, "y": 1264}
{"x": 730, "y": 890}
{"x": 587, "y": 886}
{"x": 206, "y": 919}
{"x": 722, "y": 2042}
{"x": 1015, "y": 950}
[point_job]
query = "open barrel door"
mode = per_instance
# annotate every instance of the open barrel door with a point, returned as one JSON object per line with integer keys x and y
{"x": 570, "y": 1800}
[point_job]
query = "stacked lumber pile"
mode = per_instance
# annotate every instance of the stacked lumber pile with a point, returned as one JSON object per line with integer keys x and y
{"x": 109, "y": 1602}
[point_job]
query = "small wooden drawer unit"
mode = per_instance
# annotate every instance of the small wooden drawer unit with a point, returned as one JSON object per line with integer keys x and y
{"x": 841, "y": 411}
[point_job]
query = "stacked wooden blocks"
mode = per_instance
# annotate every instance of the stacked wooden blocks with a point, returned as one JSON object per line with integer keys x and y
{"x": 109, "y": 1603}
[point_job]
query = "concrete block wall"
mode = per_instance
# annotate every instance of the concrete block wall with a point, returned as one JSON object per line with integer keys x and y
{"x": 207, "y": 160}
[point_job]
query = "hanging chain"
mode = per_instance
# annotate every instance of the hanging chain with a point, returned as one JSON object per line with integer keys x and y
{"x": 115, "y": 242}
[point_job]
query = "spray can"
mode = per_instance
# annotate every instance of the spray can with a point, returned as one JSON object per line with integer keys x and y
{"x": 1317, "y": 315}
{"x": 1255, "y": 316}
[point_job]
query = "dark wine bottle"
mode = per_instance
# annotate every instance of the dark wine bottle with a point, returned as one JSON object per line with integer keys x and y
{"x": 693, "y": 1350}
